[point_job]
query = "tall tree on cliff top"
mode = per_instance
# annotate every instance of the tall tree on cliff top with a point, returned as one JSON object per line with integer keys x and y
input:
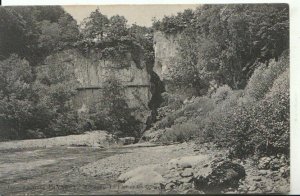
{"x": 95, "y": 25}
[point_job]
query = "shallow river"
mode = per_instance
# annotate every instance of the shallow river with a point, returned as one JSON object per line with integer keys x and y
{"x": 54, "y": 171}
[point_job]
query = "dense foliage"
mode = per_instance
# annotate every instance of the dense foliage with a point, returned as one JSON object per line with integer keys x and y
{"x": 112, "y": 113}
{"x": 253, "y": 121}
{"x": 112, "y": 39}
{"x": 226, "y": 42}
{"x": 37, "y": 86}
{"x": 35, "y": 32}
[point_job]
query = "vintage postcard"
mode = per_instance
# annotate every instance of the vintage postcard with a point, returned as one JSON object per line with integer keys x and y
{"x": 145, "y": 99}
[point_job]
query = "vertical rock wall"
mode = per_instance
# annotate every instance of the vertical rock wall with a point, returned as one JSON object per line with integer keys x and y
{"x": 166, "y": 51}
{"x": 165, "y": 47}
{"x": 91, "y": 73}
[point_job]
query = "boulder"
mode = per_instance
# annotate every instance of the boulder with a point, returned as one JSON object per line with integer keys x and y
{"x": 219, "y": 176}
{"x": 285, "y": 171}
{"x": 275, "y": 164}
{"x": 188, "y": 161}
{"x": 185, "y": 186}
{"x": 187, "y": 172}
{"x": 186, "y": 179}
{"x": 264, "y": 163}
{"x": 150, "y": 179}
{"x": 127, "y": 140}
{"x": 144, "y": 176}
{"x": 170, "y": 186}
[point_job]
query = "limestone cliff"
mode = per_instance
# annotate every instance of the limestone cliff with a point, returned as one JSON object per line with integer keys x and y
{"x": 165, "y": 48}
{"x": 166, "y": 51}
{"x": 91, "y": 73}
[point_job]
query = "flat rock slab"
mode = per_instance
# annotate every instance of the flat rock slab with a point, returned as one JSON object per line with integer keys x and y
{"x": 144, "y": 176}
{"x": 188, "y": 161}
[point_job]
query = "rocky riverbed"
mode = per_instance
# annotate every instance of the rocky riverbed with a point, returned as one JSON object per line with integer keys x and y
{"x": 138, "y": 168}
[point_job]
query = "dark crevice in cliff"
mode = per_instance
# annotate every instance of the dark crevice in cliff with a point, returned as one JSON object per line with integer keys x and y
{"x": 156, "y": 88}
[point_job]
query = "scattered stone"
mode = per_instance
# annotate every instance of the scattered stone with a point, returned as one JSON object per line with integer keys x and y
{"x": 252, "y": 188}
{"x": 194, "y": 192}
{"x": 126, "y": 140}
{"x": 275, "y": 164}
{"x": 170, "y": 186}
{"x": 187, "y": 162}
{"x": 276, "y": 178}
{"x": 285, "y": 171}
{"x": 147, "y": 180}
{"x": 263, "y": 172}
{"x": 257, "y": 179}
{"x": 187, "y": 172}
{"x": 185, "y": 186}
{"x": 264, "y": 163}
{"x": 186, "y": 180}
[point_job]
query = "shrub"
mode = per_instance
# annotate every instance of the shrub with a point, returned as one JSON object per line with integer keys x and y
{"x": 221, "y": 93}
{"x": 246, "y": 126}
{"x": 166, "y": 122}
{"x": 273, "y": 118}
{"x": 111, "y": 112}
{"x": 173, "y": 102}
{"x": 198, "y": 107}
{"x": 264, "y": 76}
{"x": 16, "y": 97}
{"x": 181, "y": 132}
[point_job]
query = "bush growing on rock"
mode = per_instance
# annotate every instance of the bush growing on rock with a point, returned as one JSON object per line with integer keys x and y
{"x": 112, "y": 112}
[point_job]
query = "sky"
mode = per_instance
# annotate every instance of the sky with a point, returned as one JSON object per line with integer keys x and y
{"x": 139, "y": 14}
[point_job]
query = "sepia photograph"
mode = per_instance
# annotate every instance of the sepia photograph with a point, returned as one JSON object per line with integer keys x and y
{"x": 145, "y": 99}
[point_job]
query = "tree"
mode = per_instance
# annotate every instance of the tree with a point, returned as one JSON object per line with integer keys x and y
{"x": 239, "y": 36}
{"x": 16, "y": 96}
{"x": 56, "y": 36}
{"x": 112, "y": 112}
{"x": 56, "y": 86}
{"x": 34, "y": 32}
{"x": 144, "y": 37}
{"x": 95, "y": 25}
{"x": 117, "y": 27}
{"x": 13, "y": 34}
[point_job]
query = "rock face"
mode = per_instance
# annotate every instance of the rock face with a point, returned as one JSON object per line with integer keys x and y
{"x": 91, "y": 73}
{"x": 165, "y": 48}
{"x": 166, "y": 51}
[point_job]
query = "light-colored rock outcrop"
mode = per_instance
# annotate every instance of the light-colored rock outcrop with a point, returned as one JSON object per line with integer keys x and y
{"x": 166, "y": 56}
{"x": 91, "y": 74}
{"x": 165, "y": 48}
{"x": 144, "y": 176}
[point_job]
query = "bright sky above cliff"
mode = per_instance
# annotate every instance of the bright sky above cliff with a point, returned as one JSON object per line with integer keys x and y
{"x": 139, "y": 14}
